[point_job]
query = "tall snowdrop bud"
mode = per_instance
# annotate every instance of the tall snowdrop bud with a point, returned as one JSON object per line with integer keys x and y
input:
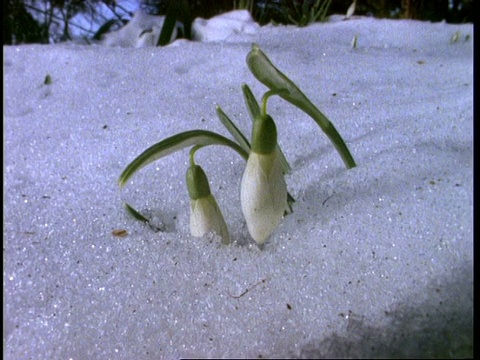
{"x": 263, "y": 190}
{"x": 205, "y": 215}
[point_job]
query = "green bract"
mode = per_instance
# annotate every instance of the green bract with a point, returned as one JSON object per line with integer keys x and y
{"x": 197, "y": 182}
{"x": 264, "y": 135}
{"x": 263, "y": 193}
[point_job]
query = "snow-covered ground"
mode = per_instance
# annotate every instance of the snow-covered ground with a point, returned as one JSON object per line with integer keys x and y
{"x": 374, "y": 261}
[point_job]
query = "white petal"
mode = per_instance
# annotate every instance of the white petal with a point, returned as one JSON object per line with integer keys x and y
{"x": 263, "y": 195}
{"x": 206, "y": 217}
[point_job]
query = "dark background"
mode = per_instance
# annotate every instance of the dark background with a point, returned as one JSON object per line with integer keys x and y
{"x": 21, "y": 27}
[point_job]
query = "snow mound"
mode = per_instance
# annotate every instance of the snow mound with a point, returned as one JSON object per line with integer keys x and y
{"x": 142, "y": 31}
{"x": 223, "y": 26}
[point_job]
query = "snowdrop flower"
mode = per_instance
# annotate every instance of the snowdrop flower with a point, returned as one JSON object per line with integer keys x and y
{"x": 263, "y": 190}
{"x": 205, "y": 215}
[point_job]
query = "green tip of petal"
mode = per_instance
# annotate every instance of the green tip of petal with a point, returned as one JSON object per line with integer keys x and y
{"x": 197, "y": 183}
{"x": 264, "y": 135}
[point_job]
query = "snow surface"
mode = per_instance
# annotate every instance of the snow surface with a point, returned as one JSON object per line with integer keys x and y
{"x": 374, "y": 261}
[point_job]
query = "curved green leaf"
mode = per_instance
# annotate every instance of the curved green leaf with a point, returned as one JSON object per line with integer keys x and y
{"x": 263, "y": 69}
{"x": 135, "y": 213}
{"x": 175, "y": 143}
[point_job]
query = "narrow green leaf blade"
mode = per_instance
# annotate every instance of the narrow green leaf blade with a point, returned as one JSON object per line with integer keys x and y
{"x": 233, "y": 129}
{"x": 135, "y": 213}
{"x": 175, "y": 143}
{"x": 252, "y": 104}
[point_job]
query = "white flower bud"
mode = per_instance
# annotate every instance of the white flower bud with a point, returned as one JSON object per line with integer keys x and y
{"x": 205, "y": 215}
{"x": 263, "y": 194}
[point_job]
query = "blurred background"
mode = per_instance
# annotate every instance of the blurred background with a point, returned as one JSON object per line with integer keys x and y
{"x": 53, "y": 21}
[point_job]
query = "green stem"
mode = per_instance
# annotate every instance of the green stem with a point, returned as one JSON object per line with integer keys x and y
{"x": 192, "y": 154}
{"x": 268, "y": 94}
{"x": 265, "y": 98}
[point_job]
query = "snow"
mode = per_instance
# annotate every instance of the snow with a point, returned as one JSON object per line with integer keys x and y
{"x": 223, "y": 26}
{"x": 142, "y": 31}
{"x": 376, "y": 261}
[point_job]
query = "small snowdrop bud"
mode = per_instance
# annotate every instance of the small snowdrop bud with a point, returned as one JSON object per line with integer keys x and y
{"x": 263, "y": 190}
{"x": 205, "y": 215}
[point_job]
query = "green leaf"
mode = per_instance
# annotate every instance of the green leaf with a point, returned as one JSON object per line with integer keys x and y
{"x": 263, "y": 69}
{"x": 177, "y": 10}
{"x": 175, "y": 143}
{"x": 252, "y": 104}
{"x": 136, "y": 214}
{"x": 233, "y": 129}
{"x": 321, "y": 13}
